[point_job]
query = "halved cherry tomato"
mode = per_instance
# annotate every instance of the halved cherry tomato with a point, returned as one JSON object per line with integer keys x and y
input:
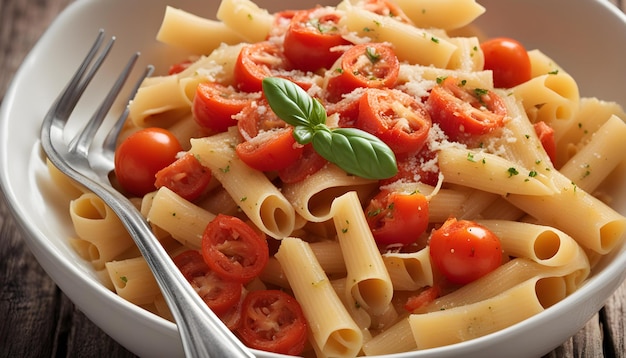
{"x": 214, "y": 105}
{"x": 509, "y": 61}
{"x": 218, "y": 293}
{"x": 347, "y": 109}
{"x": 463, "y": 112}
{"x": 422, "y": 299}
{"x": 268, "y": 143}
{"x": 311, "y": 37}
{"x": 396, "y": 118}
{"x": 270, "y": 150}
{"x": 140, "y": 156}
{"x": 233, "y": 249}
{"x": 186, "y": 177}
{"x": 546, "y": 136}
{"x": 397, "y": 218}
{"x": 274, "y": 322}
{"x": 257, "y": 61}
{"x": 179, "y": 67}
{"x": 308, "y": 163}
{"x": 371, "y": 65}
{"x": 420, "y": 167}
{"x": 463, "y": 251}
{"x": 387, "y": 9}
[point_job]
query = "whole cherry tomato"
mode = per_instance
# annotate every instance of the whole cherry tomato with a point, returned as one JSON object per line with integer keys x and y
{"x": 509, "y": 61}
{"x": 463, "y": 251}
{"x": 140, "y": 156}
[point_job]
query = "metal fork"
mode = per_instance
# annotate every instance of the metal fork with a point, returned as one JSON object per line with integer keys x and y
{"x": 201, "y": 331}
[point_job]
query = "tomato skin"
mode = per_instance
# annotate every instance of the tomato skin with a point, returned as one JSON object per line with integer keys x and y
{"x": 186, "y": 177}
{"x": 310, "y": 38}
{"x": 546, "y": 137}
{"x": 219, "y": 294}
{"x": 214, "y": 106}
{"x": 257, "y": 61}
{"x": 411, "y": 168}
{"x": 397, "y": 218}
{"x": 179, "y": 67}
{"x": 422, "y": 299}
{"x": 379, "y": 70}
{"x": 463, "y": 251}
{"x": 275, "y": 150}
{"x": 274, "y": 322}
{"x": 509, "y": 61}
{"x": 309, "y": 162}
{"x": 396, "y": 118}
{"x": 463, "y": 112}
{"x": 233, "y": 249}
{"x": 140, "y": 156}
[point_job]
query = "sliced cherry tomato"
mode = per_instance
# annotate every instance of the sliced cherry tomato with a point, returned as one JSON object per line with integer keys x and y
{"x": 186, "y": 177}
{"x": 140, "y": 156}
{"x": 268, "y": 143}
{"x": 347, "y": 109}
{"x": 387, "y": 9}
{"x": 218, "y": 293}
{"x": 257, "y": 61}
{"x": 422, "y": 299}
{"x": 463, "y": 251}
{"x": 233, "y": 249}
{"x": 179, "y": 67}
{"x": 463, "y": 112}
{"x": 311, "y": 37}
{"x": 282, "y": 19}
{"x": 546, "y": 136}
{"x": 307, "y": 164}
{"x": 214, "y": 105}
{"x": 274, "y": 322}
{"x": 371, "y": 65}
{"x": 397, "y": 218}
{"x": 509, "y": 61}
{"x": 270, "y": 150}
{"x": 396, "y": 118}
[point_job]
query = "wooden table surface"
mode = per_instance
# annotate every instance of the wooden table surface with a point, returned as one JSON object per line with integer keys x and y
{"x": 38, "y": 320}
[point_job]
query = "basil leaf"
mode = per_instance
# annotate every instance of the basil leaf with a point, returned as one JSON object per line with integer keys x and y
{"x": 291, "y": 103}
{"x": 357, "y": 152}
{"x": 303, "y": 135}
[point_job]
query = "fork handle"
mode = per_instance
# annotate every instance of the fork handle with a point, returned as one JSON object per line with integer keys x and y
{"x": 202, "y": 333}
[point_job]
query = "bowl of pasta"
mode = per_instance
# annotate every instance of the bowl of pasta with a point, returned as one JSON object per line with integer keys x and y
{"x": 405, "y": 178}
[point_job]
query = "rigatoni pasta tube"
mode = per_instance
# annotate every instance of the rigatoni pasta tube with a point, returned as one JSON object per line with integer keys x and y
{"x": 133, "y": 280}
{"x": 262, "y": 202}
{"x": 368, "y": 281}
{"x": 333, "y": 330}
{"x": 441, "y": 14}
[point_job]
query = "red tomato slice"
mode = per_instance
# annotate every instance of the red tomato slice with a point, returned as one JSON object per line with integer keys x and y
{"x": 233, "y": 249}
{"x": 347, "y": 109}
{"x": 179, "y": 67}
{"x": 270, "y": 150}
{"x": 463, "y": 112}
{"x": 140, "y": 156}
{"x": 186, "y": 177}
{"x": 396, "y": 118}
{"x": 214, "y": 105}
{"x": 371, "y": 65}
{"x": 397, "y": 218}
{"x": 311, "y": 37}
{"x": 257, "y": 61}
{"x": 219, "y": 294}
{"x": 509, "y": 61}
{"x": 268, "y": 143}
{"x": 307, "y": 164}
{"x": 387, "y": 9}
{"x": 463, "y": 251}
{"x": 274, "y": 322}
{"x": 422, "y": 299}
{"x": 546, "y": 136}
{"x": 420, "y": 167}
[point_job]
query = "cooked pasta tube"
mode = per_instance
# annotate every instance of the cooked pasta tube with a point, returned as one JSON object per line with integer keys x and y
{"x": 133, "y": 280}
{"x": 369, "y": 283}
{"x": 262, "y": 202}
{"x": 441, "y": 14}
{"x": 102, "y": 236}
{"x": 161, "y": 103}
{"x": 245, "y": 18}
{"x": 550, "y": 98}
{"x": 409, "y": 271}
{"x": 332, "y": 328}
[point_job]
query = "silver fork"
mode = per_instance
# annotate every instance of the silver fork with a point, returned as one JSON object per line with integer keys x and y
{"x": 201, "y": 331}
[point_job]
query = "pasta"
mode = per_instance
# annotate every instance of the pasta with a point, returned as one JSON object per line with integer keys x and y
{"x": 358, "y": 252}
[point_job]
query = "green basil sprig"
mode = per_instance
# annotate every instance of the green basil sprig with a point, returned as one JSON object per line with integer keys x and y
{"x": 353, "y": 150}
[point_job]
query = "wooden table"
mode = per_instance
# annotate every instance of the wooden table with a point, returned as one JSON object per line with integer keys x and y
{"x": 38, "y": 320}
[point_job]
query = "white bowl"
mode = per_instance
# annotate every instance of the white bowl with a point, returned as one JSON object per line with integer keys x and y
{"x": 588, "y": 38}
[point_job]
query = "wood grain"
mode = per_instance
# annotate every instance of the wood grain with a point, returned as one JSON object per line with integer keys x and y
{"x": 38, "y": 320}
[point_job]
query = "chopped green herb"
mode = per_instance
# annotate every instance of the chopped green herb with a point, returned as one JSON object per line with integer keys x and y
{"x": 512, "y": 171}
